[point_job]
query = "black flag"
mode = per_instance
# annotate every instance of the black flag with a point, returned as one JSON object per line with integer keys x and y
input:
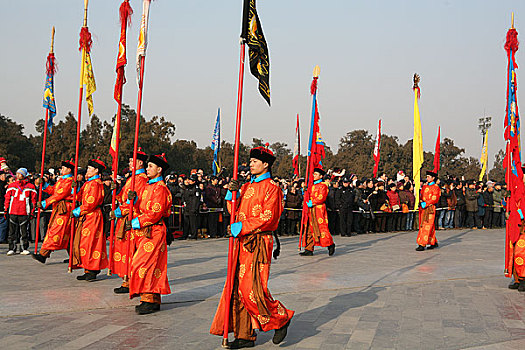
{"x": 259, "y": 58}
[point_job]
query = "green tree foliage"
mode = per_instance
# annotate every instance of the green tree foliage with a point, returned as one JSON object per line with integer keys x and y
{"x": 156, "y": 136}
{"x": 15, "y": 146}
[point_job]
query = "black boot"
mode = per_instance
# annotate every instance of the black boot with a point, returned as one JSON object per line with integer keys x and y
{"x": 40, "y": 258}
{"x": 433, "y": 246}
{"x": 241, "y": 343}
{"x": 331, "y": 250}
{"x": 521, "y": 287}
{"x": 306, "y": 253}
{"x": 420, "y": 248}
{"x": 514, "y": 285}
{"x": 92, "y": 276}
{"x": 280, "y": 333}
{"x": 82, "y": 277}
{"x": 121, "y": 290}
{"x": 147, "y": 308}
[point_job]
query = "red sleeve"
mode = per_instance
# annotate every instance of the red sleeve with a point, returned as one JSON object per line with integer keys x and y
{"x": 92, "y": 197}
{"x": 157, "y": 207}
{"x": 62, "y": 190}
{"x": 320, "y": 194}
{"x": 268, "y": 215}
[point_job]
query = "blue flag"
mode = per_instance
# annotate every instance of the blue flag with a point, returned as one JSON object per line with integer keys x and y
{"x": 216, "y": 143}
{"x": 49, "y": 100}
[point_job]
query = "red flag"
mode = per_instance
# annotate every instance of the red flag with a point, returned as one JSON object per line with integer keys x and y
{"x": 377, "y": 149}
{"x": 125, "y": 20}
{"x": 296, "y": 149}
{"x": 437, "y": 152}
{"x": 317, "y": 152}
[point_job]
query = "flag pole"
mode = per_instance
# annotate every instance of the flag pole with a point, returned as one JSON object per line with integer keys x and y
{"x": 229, "y": 275}
{"x": 77, "y": 142}
{"x": 39, "y": 212}
{"x": 135, "y": 148}
{"x": 309, "y": 158}
{"x": 124, "y": 13}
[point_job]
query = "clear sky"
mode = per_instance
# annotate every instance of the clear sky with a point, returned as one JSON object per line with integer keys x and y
{"x": 368, "y": 51}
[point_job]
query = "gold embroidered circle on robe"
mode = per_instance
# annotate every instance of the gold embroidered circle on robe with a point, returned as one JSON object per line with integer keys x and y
{"x": 142, "y": 272}
{"x": 117, "y": 256}
{"x": 82, "y": 252}
{"x": 157, "y": 273}
{"x": 90, "y": 199}
{"x": 519, "y": 261}
{"x": 149, "y": 246}
{"x": 96, "y": 254}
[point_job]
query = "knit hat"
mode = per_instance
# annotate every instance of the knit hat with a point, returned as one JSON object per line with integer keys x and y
{"x": 263, "y": 154}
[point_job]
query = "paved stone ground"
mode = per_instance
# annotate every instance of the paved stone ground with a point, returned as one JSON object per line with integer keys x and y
{"x": 376, "y": 292}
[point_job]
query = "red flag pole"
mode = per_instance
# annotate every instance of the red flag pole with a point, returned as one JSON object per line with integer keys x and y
{"x": 125, "y": 13}
{"x": 114, "y": 176}
{"x": 39, "y": 212}
{"x": 229, "y": 272}
{"x": 135, "y": 148}
{"x": 77, "y": 142}
{"x": 40, "y": 187}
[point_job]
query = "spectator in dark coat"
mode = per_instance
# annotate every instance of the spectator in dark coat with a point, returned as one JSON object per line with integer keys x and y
{"x": 294, "y": 200}
{"x": 471, "y": 200}
{"x": 489, "y": 205}
{"x": 213, "y": 200}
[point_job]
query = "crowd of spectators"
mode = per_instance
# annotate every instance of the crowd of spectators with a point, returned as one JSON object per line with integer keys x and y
{"x": 355, "y": 206}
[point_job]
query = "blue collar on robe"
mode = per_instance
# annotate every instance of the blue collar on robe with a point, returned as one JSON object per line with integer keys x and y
{"x": 262, "y": 177}
{"x": 318, "y": 181}
{"x": 67, "y": 176}
{"x": 157, "y": 179}
{"x": 140, "y": 171}
{"x": 94, "y": 177}
{"x": 432, "y": 183}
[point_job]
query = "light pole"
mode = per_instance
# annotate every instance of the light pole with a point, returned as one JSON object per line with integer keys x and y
{"x": 484, "y": 125}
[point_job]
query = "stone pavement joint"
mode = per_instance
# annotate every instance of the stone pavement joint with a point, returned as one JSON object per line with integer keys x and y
{"x": 376, "y": 292}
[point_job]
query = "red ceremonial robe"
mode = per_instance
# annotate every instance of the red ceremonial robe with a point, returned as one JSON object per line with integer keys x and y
{"x": 515, "y": 264}
{"x": 59, "y": 227}
{"x": 149, "y": 265}
{"x": 252, "y": 305}
{"x": 89, "y": 244}
{"x": 318, "y": 218}
{"x": 120, "y": 247}
{"x": 427, "y": 230}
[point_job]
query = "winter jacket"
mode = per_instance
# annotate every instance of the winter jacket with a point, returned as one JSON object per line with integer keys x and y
{"x": 488, "y": 200}
{"x": 293, "y": 201}
{"x": 471, "y": 199}
{"x": 20, "y": 198}
{"x": 497, "y": 198}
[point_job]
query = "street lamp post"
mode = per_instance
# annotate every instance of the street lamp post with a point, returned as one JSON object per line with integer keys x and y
{"x": 484, "y": 125}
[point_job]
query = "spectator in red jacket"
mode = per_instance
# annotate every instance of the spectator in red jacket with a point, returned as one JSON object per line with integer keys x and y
{"x": 19, "y": 205}
{"x": 395, "y": 206}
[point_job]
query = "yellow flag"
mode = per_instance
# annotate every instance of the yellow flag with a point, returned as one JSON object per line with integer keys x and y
{"x": 484, "y": 157}
{"x": 88, "y": 79}
{"x": 417, "y": 150}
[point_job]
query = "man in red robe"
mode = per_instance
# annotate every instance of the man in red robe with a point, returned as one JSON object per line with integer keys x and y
{"x": 148, "y": 276}
{"x": 59, "y": 227}
{"x": 430, "y": 194}
{"x": 515, "y": 265}
{"x": 121, "y": 256}
{"x": 89, "y": 242}
{"x": 317, "y": 233}
{"x": 251, "y": 305}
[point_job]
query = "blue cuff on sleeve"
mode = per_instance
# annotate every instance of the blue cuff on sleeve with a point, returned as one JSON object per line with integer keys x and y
{"x": 76, "y": 212}
{"x": 521, "y": 213}
{"x": 45, "y": 185}
{"x": 310, "y": 204}
{"x": 423, "y": 205}
{"x": 135, "y": 224}
{"x": 43, "y": 204}
{"x": 236, "y": 228}
{"x": 118, "y": 213}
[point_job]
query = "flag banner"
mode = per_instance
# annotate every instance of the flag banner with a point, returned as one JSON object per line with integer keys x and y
{"x": 296, "y": 149}
{"x": 317, "y": 152}
{"x": 484, "y": 157}
{"x": 89, "y": 81}
{"x": 437, "y": 152}
{"x": 143, "y": 38}
{"x": 49, "y": 92}
{"x": 113, "y": 146}
{"x": 417, "y": 146}
{"x": 216, "y": 143}
{"x": 253, "y": 35}
{"x": 125, "y": 21}
{"x": 377, "y": 149}
{"x": 512, "y": 160}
